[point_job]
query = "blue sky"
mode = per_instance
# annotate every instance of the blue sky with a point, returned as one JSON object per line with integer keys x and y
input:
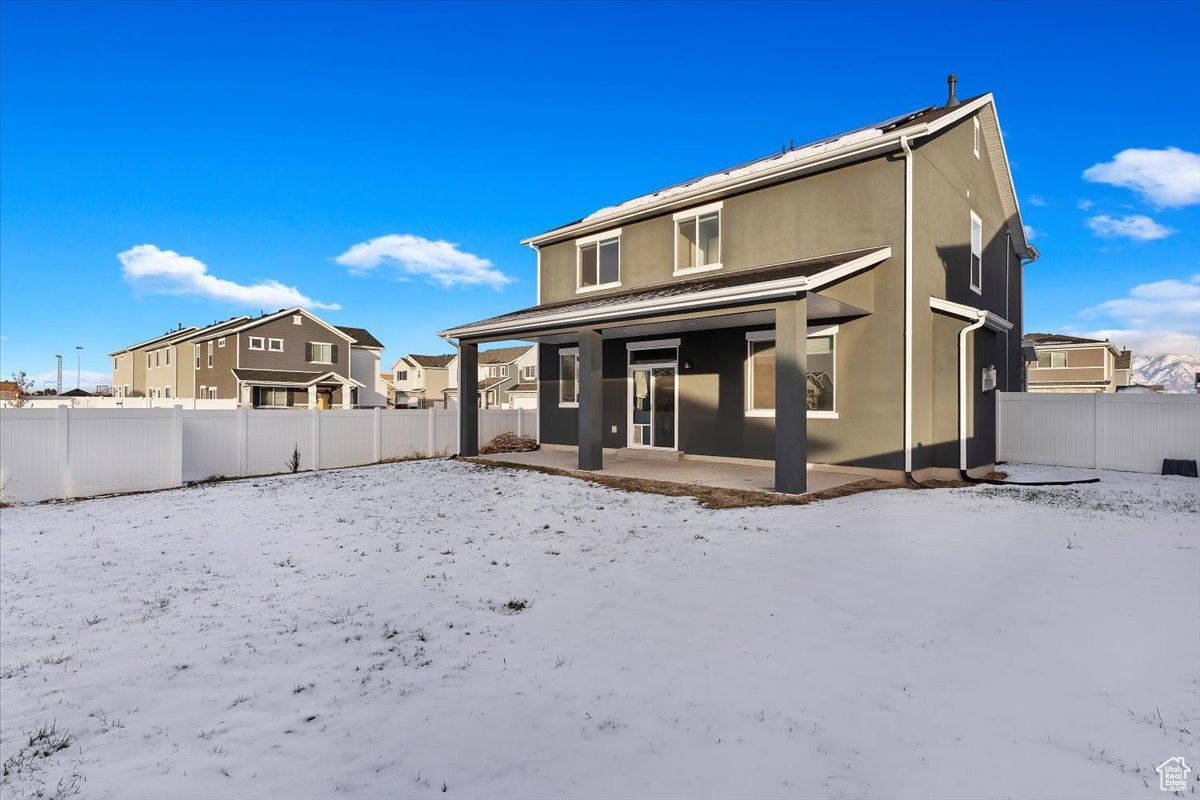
{"x": 236, "y": 151}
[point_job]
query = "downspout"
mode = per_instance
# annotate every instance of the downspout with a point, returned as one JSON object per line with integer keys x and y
{"x": 963, "y": 381}
{"x": 538, "y": 250}
{"x": 908, "y": 306}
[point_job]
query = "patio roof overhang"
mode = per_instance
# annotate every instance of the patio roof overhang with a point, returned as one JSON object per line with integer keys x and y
{"x": 743, "y": 288}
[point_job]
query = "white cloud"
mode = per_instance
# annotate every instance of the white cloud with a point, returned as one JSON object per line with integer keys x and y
{"x": 1031, "y": 232}
{"x": 1168, "y": 178}
{"x": 1154, "y": 318}
{"x": 168, "y": 272}
{"x": 1133, "y": 226}
{"x": 1037, "y": 200}
{"x": 440, "y": 262}
{"x": 1085, "y": 205}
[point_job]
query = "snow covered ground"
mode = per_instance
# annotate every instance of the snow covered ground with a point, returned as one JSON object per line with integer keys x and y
{"x": 423, "y": 628}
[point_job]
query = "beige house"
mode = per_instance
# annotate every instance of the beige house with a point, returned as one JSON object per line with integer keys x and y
{"x": 1074, "y": 364}
{"x": 420, "y": 381}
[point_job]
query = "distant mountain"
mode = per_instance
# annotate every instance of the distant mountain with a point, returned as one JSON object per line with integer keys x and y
{"x": 1176, "y": 372}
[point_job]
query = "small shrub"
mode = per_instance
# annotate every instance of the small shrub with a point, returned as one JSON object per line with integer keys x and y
{"x": 509, "y": 443}
{"x": 293, "y": 463}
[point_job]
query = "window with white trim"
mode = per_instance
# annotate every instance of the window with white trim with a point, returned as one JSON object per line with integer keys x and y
{"x": 529, "y": 372}
{"x": 168, "y": 352}
{"x": 976, "y": 253}
{"x": 975, "y": 139}
{"x": 168, "y": 390}
{"x": 221, "y": 342}
{"x": 568, "y": 377}
{"x": 272, "y": 396}
{"x": 1052, "y": 359}
{"x": 257, "y": 343}
{"x": 322, "y": 353}
{"x": 698, "y": 240}
{"x": 820, "y": 378}
{"x": 210, "y": 353}
{"x": 203, "y": 392}
{"x": 196, "y": 351}
{"x": 275, "y": 345}
{"x": 297, "y": 319}
{"x": 149, "y": 359}
{"x": 402, "y": 376}
{"x": 212, "y": 393}
{"x": 600, "y": 263}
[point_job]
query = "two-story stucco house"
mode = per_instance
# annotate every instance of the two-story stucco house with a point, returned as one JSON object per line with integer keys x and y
{"x": 852, "y": 303}
{"x": 1076, "y": 364}
{"x": 420, "y": 381}
{"x": 507, "y": 378}
{"x": 288, "y": 359}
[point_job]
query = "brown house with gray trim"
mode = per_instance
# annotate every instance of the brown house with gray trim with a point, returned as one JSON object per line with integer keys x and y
{"x": 1076, "y": 364}
{"x": 288, "y": 359}
{"x": 851, "y": 303}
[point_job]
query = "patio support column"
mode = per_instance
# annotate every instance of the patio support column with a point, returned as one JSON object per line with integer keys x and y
{"x": 791, "y": 395}
{"x": 591, "y": 405}
{"x": 468, "y": 402}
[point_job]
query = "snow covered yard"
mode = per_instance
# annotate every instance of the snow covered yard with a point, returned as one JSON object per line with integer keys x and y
{"x": 433, "y": 627}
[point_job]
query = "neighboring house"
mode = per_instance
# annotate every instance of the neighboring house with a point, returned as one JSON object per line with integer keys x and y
{"x": 76, "y": 393}
{"x": 288, "y": 359}
{"x": 365, "y": 350}
{"x": 9, "y": 391}
{"x": 421, "y": 381}
{"x": 384, "y": 385}
{"x": 506, "y": 378}
{"x": 829, "y": 304}
{"x": 505, "y": 369}
{"x": 1075, "y": 364}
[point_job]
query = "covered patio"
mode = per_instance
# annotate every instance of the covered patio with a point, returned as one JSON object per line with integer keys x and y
{"x": 707, "y": 472}
{"x": 625, "y": 355}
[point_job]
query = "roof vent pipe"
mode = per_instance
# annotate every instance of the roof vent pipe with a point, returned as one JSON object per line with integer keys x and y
{"x": 951, "y": 101}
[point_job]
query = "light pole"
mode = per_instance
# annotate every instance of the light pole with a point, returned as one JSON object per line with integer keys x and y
{"x": 58, "y": 385}
{"x": 78, "y": 350}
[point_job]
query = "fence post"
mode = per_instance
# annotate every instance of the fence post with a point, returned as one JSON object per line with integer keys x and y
{"x": 316, "y": 438}
{"x": 243, "y": 439}
{"x": 1095, "y": 430}
{"x": 430, "y": 432}
{"x": 377, "y": 429}
{"x": 177, "y": 445}
{"x": 520, "y": 422}
{"x": 63, "y": 442}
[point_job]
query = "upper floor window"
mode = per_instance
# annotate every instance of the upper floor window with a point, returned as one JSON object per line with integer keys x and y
{"x": 497, "y": 372}
{"x": 529, "y": 372}
{"x": 149, "y": 359}
{"x": 114, "y": 362}
{"x": 976, "y": 253}
{"x": 221, "y": 342}
{"x": 975, "y": 140}
{"x": 297, "y": 319}
{"x": 568, "y": 377}
{"x": 210, "y": 351}
{"x": 257, "y": 343}
{"x": 599, "y": 261}
{"x": 168, "y": 356}
{"x": 275, "y": 345}
{"x": 1052, "y": 359}
{"x": 402, "y": 376}
{"x": 698, "y": 239}
{"x": 196, "y": 350}
{"x": 320, "y": 353}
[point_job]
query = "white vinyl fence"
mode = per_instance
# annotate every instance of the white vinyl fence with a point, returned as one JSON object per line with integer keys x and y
{"x": 72, "y": 452}
{"x": 1127, "y": 432}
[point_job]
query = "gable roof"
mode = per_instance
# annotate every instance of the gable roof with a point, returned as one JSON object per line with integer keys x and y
{"x": 155, "y": 340}
{"x": 503, "y": 355}
{"x": 867, "y": 141}
{"x": 211, "y": 330}
{"x": 283, "y": 312}
{"x": 430, "y": 361}
{"x": 361, "y": 336}
{"x": 1060, "y": 338}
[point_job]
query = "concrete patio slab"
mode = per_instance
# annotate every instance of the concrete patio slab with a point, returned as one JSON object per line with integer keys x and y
{"x": 723, "y": 474}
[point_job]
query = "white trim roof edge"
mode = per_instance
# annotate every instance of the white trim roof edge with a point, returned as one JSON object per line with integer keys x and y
{"x": 697, "y": 299}
{"x": 990, "y": 319}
